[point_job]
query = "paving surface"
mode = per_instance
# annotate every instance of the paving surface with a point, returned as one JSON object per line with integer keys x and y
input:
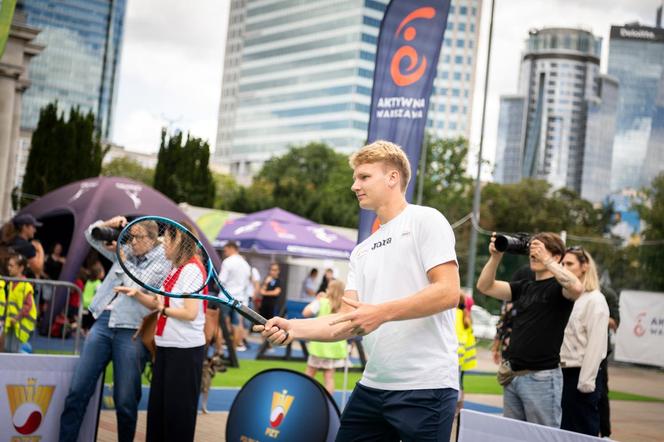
{"x": 632, "y": 421}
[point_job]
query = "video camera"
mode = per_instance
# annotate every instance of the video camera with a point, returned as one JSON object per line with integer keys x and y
{"x": 516, "y": 244}
{"x": 108, "y": 234}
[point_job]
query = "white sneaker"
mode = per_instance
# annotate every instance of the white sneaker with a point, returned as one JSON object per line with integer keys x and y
{"x": 241, "y": 348}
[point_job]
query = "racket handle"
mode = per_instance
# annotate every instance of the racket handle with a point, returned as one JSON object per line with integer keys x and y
{"x": 250, "y": 314}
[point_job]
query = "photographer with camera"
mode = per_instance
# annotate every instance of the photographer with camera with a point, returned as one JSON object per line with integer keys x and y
{"x": 531, "y": 377}
{"x": 110, "y": 338}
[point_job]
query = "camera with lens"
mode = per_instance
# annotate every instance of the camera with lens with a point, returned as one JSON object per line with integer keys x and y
{"x": 516, "y": 243}
{"x": 108, "y": 234}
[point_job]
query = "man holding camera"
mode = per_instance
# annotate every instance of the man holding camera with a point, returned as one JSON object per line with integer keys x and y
{"x": 110, "y": 338}
{"x": 531, "y": 375}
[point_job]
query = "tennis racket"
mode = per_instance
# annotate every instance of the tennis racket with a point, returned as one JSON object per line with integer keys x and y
{"x": 169, "y": 245}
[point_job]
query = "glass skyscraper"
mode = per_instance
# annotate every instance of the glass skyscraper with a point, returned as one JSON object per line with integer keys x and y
{"x": 559, "y": 126}
{"x": 297, "y": 71}
{"x": 636, "y": 59}
{"x": 79, "y": 65}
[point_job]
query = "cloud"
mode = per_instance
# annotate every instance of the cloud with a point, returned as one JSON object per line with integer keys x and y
{"x": 170, "y": 72}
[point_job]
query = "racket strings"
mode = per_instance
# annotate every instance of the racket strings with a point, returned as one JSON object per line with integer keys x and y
{"x": 156, "y": 253}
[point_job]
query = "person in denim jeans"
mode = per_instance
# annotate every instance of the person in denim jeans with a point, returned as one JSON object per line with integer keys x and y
{"x": 541, "y": 309}
{"x": 110, "y": 338}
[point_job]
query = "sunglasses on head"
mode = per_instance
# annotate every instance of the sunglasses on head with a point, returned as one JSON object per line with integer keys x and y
{"x": 578, "y": 251}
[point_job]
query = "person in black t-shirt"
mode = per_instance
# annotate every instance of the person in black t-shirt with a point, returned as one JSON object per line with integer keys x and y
{"x": 270, "y": 291}
{"x": 18, "y": 235}
{"x": 541, "y": 309}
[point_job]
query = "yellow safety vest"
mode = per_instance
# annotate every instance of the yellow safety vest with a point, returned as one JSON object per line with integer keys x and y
{"x": 467, "y": 346}
{"x": 18, "y": 292}
{"x": 3, "y": 300}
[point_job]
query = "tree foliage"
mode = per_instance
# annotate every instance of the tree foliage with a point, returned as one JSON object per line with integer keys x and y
{"x": 531, "y": 206}
{"x": 652, "y": 256}
{"x": 62, "y": 150}
{"x": 182, "y": 171}
{"x": 227, "y": 191}
{"x": 128, "y": 168}
{"x": 447, "y": 185}
{"x": 312, "y": 181}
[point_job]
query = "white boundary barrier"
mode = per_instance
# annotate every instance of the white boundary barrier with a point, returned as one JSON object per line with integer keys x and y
{"x": 33, "y": 389}
{"x": 640, "y": 337}
{"x": 482, "y": 427}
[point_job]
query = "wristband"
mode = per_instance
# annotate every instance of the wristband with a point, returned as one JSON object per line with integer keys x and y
{"x": 163, "y": 312}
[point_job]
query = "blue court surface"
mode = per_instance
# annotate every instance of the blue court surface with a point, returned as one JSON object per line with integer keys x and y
{"x": 221, "y": 399}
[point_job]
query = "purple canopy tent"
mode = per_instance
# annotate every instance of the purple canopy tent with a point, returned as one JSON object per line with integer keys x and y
{"x": 276, "y": 231}
{"x": 93, "y": 199}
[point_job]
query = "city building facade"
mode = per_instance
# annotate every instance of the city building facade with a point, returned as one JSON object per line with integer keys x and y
{"x": 80, "y": 64}
{"x": 14, "y": 81}
{"x": 636, "y": 59}
{"x": 559, "y": 126}
{"x": 297, "y": 72}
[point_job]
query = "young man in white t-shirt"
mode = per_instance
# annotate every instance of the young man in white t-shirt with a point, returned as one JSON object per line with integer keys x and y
{"x": 401, "y": 292}
{"x": 235, "y": 275}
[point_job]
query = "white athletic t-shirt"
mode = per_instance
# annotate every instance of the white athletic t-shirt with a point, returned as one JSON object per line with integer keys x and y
{"x": 179, "y": 333}
{"x": 391, "y": 264}
{"x": 235, "y": 276}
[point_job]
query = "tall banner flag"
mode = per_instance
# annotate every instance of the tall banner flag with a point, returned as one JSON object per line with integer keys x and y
{"x": 409, "y": 42}
{"x": 6, "y": 15}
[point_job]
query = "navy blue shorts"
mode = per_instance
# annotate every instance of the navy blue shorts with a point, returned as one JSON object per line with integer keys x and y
{"x": 386, "y": 415}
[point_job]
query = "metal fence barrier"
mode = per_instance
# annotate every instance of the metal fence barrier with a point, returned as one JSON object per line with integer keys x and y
{"x": 47, "y": 292}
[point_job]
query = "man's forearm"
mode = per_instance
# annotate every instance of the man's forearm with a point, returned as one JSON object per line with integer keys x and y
{"x": 432, "y": 299}
{"x": 318, "y": 329}
{"x": 565, "y": 278}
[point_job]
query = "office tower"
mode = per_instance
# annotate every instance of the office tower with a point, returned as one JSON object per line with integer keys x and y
{"x": 636, "y": 59}
{"x": 510, "y": 139}
{"x": 560, "y": 92}
{"x": 297, "y": 72}
{"x": 79, "y": 65}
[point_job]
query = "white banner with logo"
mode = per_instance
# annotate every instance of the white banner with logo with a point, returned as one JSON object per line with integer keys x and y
{"x": 482, "y": 427}
{"x": 640, "y": 336}
{"x": 33, "y": 389}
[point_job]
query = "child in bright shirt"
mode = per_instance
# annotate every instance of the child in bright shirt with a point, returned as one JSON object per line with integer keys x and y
{"x": 18, "y": 313}
{"x": 326, "y": 356}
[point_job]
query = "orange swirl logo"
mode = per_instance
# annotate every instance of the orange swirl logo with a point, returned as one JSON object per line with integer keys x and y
{"x": 639, "y": 329}
{"x": 416, "y": 67}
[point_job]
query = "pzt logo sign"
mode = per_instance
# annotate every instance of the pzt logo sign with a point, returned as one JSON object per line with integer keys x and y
{"x": 28, "y": 405}
{"x": 281, "y": 403}
{"x": 416, "y": 66}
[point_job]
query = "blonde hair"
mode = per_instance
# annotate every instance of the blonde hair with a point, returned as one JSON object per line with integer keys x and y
{"x": 591, "y": 278}
{"x": 334, "y": 293}
{"x": 385, "y": 152}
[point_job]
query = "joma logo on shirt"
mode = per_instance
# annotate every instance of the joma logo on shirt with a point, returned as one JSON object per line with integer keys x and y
{"x": 381, "y": 243}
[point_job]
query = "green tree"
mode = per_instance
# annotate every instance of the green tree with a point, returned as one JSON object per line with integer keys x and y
{"x": 312, "y": 181}
{"x": 652, "y": 255}
{"x": 128, "y": 168}
{"x": 447, "y": 185}
{"x": 256, "y": 197}
{"x": 182, "y": 171}
{"x": 227, "y": 191}
{"x": 62, "y": 150}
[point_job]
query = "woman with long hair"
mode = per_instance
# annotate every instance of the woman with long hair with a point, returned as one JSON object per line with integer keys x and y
{"x": 180, "y": 339}
{"x": 584, "y": 346}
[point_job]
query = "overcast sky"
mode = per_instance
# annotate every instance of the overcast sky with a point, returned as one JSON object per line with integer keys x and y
{"x": 172, "y": 57}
